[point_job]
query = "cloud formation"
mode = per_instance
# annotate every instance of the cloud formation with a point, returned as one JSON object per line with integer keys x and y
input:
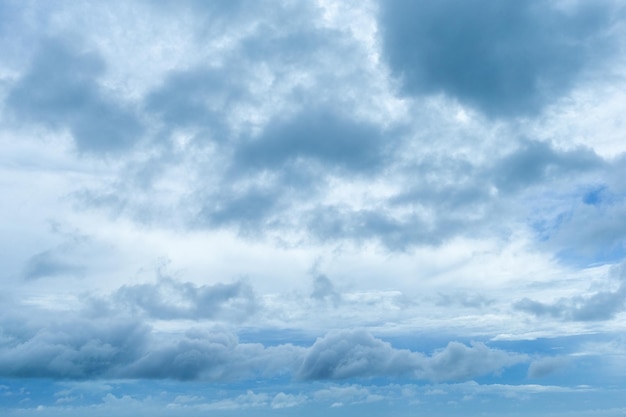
{"x": 124, "y": 347}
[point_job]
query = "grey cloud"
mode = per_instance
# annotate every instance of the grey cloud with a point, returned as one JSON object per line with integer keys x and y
{"x": 249, "y": 210}
{"x": 505, "y": 58}
{"x": 535, "y": 162}
{"x": 342, "y": 355}
{"x": 288, "y": 164}
{"x": 324, "y": 290}
{"x": 60, "y": 91}
{"x": 218, "y": 357}
{"x": 196, "y": 98}
{"x": 66, "y": 346}
{"x": 545, "y": 366}
{"x": 69, "y": 349}
{"x": 397, "y": 233}
{"x": 172, "y": 299}
{"x": 323, "y": 136}
{"x": 460, "y": 362}
{"x": 50, "y": 263}
{"x": 464, "y": 299}
{"x": 602, "y": 305}
{"x": 350, "y": 354}
{"x": 121, "y": 347}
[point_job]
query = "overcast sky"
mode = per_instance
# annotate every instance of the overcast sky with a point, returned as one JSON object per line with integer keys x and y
{"x": 347, "y": 208}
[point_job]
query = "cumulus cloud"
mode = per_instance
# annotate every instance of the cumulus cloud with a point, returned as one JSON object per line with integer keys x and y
{"x": 348, "y": 354}
{"x": 121, "y": 346}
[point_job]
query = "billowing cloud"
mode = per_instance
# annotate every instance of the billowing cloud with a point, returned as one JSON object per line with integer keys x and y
{"x": 343, "y": 355}
{"x": 124, "y": 347}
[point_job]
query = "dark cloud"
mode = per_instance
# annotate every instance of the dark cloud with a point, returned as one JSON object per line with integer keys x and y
{"x": 74, "y": 345}
{"x": 536, "y": 162}
{"x": 602, "y": 305}
{"x": 505, "y": 58}
{"x": 394, "y": 232}
{"x": 319, "y": 136}
{"x": 342, "y": 355}
{"x": 60, "y": 90}
{"x": 197, "y": 98}
{"x": 172, "y": 299}
{"x": 74, "y": 348}
{"x": 122, "y": 347}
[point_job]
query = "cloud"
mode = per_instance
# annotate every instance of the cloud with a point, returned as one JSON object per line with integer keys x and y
{"x": 50, "y": 263}
{"x": 171, "y": 299}
{"x": 76, "y": 345}
{"x": 70, "y": 348}
{"x": 61, "y": 91}
{"x": 349, "y": 354}
{"x": 198, "y": 98}
{"x": 324, "y": 290}
{"x": 124, "y": 347}
{"x": 536, "y": 162}
{"x": 342, "y": 355}
{"x": 545, "y": 366}
{"x": 323, "y": 136}
{"x": 459, "y": 362}
{"x": 603, "y": 305}
{"x": 282, "y": 400}
{"x": 505, "y": 59}
{"x": 598, "y": 306}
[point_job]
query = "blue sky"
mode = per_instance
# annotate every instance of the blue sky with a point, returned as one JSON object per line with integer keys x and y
{"x": 302, "y": 207}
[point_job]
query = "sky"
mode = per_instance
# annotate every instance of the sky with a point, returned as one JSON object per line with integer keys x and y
{"x": 286, "y": 207}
